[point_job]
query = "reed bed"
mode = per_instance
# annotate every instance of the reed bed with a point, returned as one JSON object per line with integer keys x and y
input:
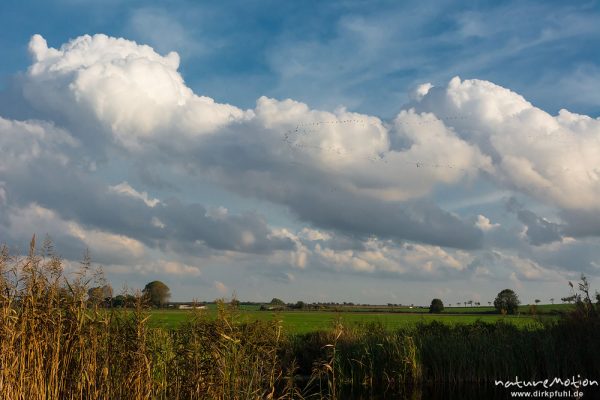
{"x": 55, "y": 344}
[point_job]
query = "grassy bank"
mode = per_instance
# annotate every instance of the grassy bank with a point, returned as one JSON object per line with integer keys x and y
{"x": 53, "y": 344}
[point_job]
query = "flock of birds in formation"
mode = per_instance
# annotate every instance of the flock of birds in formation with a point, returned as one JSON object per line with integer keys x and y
{"x": 294, "y": 139}
{"x": 298, "y": 140}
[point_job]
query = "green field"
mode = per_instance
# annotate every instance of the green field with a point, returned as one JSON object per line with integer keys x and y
{"x": 523, "y": 309}
{"x": 392, "y": 317}
{"x": 307, "y": 321}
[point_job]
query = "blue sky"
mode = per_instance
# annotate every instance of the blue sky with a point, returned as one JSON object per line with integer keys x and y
{"x": 342, "y": 151}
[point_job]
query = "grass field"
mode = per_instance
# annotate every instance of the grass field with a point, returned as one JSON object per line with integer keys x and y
{"x": 307, "y": 321}
{"x": 523, "y": 309}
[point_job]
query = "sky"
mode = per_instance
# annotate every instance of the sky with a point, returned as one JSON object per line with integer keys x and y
{"x": 369, "y": 152}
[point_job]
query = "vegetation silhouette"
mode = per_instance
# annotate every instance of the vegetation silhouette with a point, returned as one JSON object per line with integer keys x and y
{"x": 55, "y": 343}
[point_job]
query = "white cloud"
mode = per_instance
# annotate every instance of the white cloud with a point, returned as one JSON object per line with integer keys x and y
{"x": 153, "y": 267}
{"x": 299, "y": 255}
{"x": 27, "y": 142}
{"x": 158, "y": 223}
{"x": 221, "y": 288}
{"x": 367, "y": 188}
{"x": 420, "y": 91}
{"x": 217, "y": 212}
{"x": 135, "y": 93}
{"x": 386, "y": 258}
{"x": 314, "y": 234}
{"x": 3, "y": 194}
{"x": 145, "y": 108}
{"x": 504, "y": 265}
{"x": 526, "y": 269}
{"x": 139, "y": 97}
{"x": 125, "y": 189}
{"x": 106, "y": 243}
{"x": 23, "y": 222}
{"x": 551, "y": 158}
{"x": 484, "y": 223}
{"x": 178, "y": 268}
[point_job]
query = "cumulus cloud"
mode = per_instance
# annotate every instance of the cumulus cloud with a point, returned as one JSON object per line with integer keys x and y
{"x": 363, "y": 191}
{"x": 2, "y": 194}
{"x": 27, "y": 142}
{"x": 550, "y": 158}
{"x": 126, "y": 189}
{"x": 539, "y": 230}
{"x": 144, "y": 107}
{"x": 502, "y": 265}
{"x": 221, "y": 288}
{"x": 41, "y": 168}
{"x": 570, "y": 255}
{"x": 70, "y": 237}
{"x": 385, "y": 258}
{"x": 133, "y": 92}
{"x": 344, "y": 159}
{"x": 177, "y": 268}
{"x": 314, "y": 235}
{"x": 484, "y": 223}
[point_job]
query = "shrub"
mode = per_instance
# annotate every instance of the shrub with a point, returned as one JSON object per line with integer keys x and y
{"x": 437, "y": 306}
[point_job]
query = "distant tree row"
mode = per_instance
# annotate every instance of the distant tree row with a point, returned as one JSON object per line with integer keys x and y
{"x": 155, "y": 293}
{"x": 278, "y": 304}
{"x": 506, "y": 302}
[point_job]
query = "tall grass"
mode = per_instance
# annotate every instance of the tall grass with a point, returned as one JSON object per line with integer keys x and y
{"x": 220, "y": 358}
{"x": 54, "y": 344}
{"x": 363, "y": 359}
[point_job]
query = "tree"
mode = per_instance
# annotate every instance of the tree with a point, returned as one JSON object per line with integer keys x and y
{"x": 537, "y": 301}
{"x": 552, "y": 300}
{"x": 437, "y": 306}
{"x": 507, "y": 302}
{"x": 568, "y": 299}
{"x": 157, "y": 293}
{"x": 277, "y": 302}
{"x": 124, "y": 301}
{"x": 97, "y": 295}
{"x": 119, "y": 301}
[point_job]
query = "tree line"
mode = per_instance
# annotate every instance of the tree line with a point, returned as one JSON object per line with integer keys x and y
{"x": 506, "y": 302}
{"x": 155, "y": 293}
